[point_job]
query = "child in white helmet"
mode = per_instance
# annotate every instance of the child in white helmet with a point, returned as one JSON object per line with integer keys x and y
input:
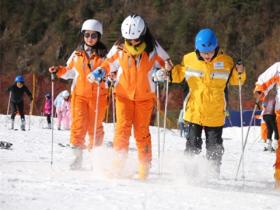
{"x": 87, "y": 57}
{"x": 62, "y": 105}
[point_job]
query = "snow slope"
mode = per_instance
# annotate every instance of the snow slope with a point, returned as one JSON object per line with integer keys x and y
{"x": 28, "y": 182}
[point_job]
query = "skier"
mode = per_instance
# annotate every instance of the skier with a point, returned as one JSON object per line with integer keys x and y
{"x": 62, "y": 105}
{"x": 207, "y": 71}
{"x": 266, "y": 81}
{"x": 17, "y": 101}
{"x": 88, "y": 56}
{"x": 270, "y": 120}
{"x": 48, "y": 109}
{"x": 133, "y": 57}
{"x": 181, "y": 123}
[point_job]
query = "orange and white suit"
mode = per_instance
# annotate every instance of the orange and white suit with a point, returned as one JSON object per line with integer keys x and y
{"x": 83, "y": 98}
{"x": 266, "y": 81}
{"x": 135, "y": 96}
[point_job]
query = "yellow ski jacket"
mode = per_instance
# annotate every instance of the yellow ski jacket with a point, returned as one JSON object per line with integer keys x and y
{"x": 205, "y": 103}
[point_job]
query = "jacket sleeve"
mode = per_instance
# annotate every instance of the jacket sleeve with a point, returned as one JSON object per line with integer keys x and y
{"x": 178, "y": 72}
{"x": 268, "y": 79}
{"x": 27, "y": 91}
{"x": 68, "y": 71}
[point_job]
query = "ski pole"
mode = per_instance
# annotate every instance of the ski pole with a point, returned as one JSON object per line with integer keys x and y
{"x": 8, "y": 108}
{"x": 95, "y": 121}
{"x": 29, "y": 117}
{"x": 158, "y": 126}
{"x": 246, "y": 139}
{"x": 165, "y": 117}
{"x": 9, "y": 101}
{"x": 52, "y": 114}
{"x": 113, "y": 104}
{"x": 239, "y": 62}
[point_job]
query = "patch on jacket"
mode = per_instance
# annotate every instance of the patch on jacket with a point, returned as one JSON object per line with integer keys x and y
{"x": 219, "y": 65}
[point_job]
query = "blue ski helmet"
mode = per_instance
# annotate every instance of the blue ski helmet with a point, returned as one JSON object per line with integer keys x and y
{"x": 206, "y": 40}
{"x": 19, "y": 78}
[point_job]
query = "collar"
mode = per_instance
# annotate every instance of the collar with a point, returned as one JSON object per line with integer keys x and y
{"x": 135, "y": 50}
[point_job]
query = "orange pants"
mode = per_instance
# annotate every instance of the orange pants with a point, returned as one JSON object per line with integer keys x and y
{"x": 277, "y": 163}
{"x": 83, "y": 117}
{"x": 263, "y": 131}
{"x": 138, "y": 114}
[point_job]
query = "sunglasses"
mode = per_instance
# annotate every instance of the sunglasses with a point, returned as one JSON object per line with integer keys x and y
{"x": 93, "y": 35}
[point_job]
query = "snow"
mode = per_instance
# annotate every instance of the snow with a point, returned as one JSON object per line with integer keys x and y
{"x": 29, "y": 182}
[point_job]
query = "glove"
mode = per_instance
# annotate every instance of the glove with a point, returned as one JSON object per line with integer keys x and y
{"x": 159, "y": 75}
{"x": 96, "y": 76}
{"x": 109, "y": 82}
{"x": 275, "y": 144}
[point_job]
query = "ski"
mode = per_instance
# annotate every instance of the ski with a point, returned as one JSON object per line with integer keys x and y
{"x": 6, "y": 145}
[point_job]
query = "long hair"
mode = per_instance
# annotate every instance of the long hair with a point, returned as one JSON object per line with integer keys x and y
{"x": 99, "y": 48}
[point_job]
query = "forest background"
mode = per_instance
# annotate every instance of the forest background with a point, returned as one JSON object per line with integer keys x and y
{"x": 35, "y": 34}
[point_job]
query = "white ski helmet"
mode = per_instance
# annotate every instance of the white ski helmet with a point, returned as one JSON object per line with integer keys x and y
{"x": 133, "y": 27}
{"x": 65, "y": 94}
{"x": 92, "y": 25}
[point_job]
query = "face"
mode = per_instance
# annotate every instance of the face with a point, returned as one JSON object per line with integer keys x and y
{"x": 90, "y": 37}
{"x": 207, "y": 56}
{"x": 19, "y": 84}
{"x": 134, "y": 42}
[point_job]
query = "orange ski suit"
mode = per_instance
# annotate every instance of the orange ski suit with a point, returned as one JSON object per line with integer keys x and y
{"x": 266, "y": 81}
{"x": 135, "y": 96}
{"x": 83, "y": 98}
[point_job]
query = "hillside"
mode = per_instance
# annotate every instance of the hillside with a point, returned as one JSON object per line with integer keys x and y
{"x": 37, "y": 34}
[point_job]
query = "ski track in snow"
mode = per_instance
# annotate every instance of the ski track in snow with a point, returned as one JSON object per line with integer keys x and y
{"x": 29, "y": 182}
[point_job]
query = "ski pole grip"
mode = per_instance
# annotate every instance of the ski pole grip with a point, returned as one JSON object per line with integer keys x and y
{"x": 52, "y": 76}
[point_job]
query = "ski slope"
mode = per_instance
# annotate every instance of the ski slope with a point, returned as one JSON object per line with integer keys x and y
{"x": 28, "y": 182}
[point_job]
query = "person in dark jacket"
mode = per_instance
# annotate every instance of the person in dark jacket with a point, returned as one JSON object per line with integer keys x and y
{"x": 17, "y": 91}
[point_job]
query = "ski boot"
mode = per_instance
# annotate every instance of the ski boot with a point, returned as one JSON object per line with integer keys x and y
{"x": 49, "y": 126}
{"x": 22, "y": 126}
{"x": 78, "y": 159}
{"x": 268, "y": 146}
{"x": 277, "y": 179}
{"x": 143, "y": 171}
{"x": 12, "y": 124}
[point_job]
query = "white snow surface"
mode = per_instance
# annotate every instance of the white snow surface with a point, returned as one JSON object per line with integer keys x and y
{"x": 29, "y": 182}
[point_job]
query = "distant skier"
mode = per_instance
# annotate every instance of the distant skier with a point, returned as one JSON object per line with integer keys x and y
{"x": 266, "y": 81}
{"x": 207, "y": 71}
{"x": 17, "y": 100}
{"x": 181, "y": 123}
{"x": 48, "y": 109}
{"x": 62, "y": 105}
{"x": 269, "y": 117}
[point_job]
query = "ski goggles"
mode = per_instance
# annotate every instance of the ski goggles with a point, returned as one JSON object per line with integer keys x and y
{"x": 91, "y": 35}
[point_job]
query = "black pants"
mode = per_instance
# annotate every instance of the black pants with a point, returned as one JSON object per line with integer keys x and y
{"x": 17, "y": 107}
{"x": 48, "y": 118}
{"x": 270, "y": 121}
{"x": 214, "y": 141}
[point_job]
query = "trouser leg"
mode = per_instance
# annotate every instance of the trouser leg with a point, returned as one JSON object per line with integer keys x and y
{"x": 194, "y": 140}
{"x": 214, "y": 144}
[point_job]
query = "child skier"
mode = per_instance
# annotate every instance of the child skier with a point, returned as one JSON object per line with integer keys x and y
{"x": 48, "y": 109}
{"x": 17, "y": 91}
{"x": 269, "y": 117}
{"x": 207, "y": 71}
{"x": 62, "y": 105}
